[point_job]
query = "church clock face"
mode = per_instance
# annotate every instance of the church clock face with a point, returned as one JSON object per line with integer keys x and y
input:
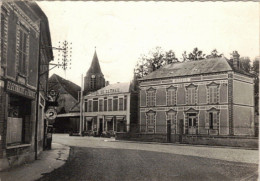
{"x": 93, "y": 76}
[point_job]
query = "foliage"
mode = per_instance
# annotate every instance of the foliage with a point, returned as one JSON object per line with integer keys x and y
{"x": 153, "y": 61}
{"x": 196, "y": 54}
{"x": 214, "y": 54}
{"x": 245, "y": 64}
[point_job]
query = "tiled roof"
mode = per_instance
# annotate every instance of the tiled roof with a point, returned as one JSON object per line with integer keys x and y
{"x": 112, "y": 89}
{"x": 95, "y": 67}
{"x": 179, "y": 69}
{"x": 67, "y": 85}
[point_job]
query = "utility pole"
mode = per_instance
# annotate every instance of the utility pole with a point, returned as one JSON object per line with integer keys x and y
{"x": 64, "y": 65}
{"x": 81, "y": 117}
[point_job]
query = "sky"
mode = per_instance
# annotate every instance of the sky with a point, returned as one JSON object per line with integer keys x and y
{"x": 123, "y": 31}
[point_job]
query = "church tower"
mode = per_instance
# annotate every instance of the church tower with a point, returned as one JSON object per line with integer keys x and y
{"x": 94, "y": 78}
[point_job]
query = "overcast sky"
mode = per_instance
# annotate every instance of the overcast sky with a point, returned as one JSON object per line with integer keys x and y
{"x": 122, "y": 31}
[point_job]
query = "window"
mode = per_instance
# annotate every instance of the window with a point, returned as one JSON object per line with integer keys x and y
{"x": 121, "y": 104}
{"x": 22, "y": 51}
{"x": 115, "y": 103}
{"x": 191, "y": 93}
{"x": 100, "y": 105}
{"x": 171, "y": 115}
{"x": 18, "y": 121}
{"x": 150, "y": 122}
{"x": 171, "y": 96}
{"x": 90, "y": 106}
{"x": 192, "y": 118}
{"x": 95, "y": 105}
{"x": 86, "y": 106}
{"x": 210, "y": 120}
{"x": 150, "y": 97}
{"x": 105, "y": 104}
{"x": 213, "y": 94}
{"x": 125, "y": 102}
{"x": 93, "y": 82}
{"x": 109, "y": 104}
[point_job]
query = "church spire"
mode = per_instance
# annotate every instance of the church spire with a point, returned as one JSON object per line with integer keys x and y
{"x": 95, "y": 67}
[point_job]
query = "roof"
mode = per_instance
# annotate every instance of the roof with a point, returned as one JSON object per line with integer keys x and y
{"x": 67, "y": 85}
{"x": 212, "y": 65}
{"x": 123, "y": 87}
{"x": 95, "y": 67}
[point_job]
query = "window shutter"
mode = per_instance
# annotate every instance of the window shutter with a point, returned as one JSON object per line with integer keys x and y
{"x": 215, "y": 120}
{"x": 207, "y": 121}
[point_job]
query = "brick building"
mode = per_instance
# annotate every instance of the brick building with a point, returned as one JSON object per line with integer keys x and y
{"x": 111, "y": 109}
{"x": 23, "y": 25}
{"x": 201, "y": 98}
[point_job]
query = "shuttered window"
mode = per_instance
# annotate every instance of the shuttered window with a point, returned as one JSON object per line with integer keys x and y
{"x": 191, "y": 97}
{"x": 171, "y": 97}
{"x": 213, "y": 94}
{"x": 22, "y": 51}
{"x": 150, "y": 122}
{"x": 151, "y": 98}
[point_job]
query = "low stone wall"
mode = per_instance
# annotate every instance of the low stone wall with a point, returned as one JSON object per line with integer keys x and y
{"x": 246, "y": 142}
{"x": 233, "y": 141}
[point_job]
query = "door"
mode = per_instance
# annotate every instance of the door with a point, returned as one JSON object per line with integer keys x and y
{"x": 100, "y": 127}
{"x": 192, "y": 123}
{"x": 169, "y": 129}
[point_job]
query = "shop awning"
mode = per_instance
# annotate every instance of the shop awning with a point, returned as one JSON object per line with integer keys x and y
{"x": 120, "y": 118}
{"x": 109, "y": 118}
{"x": 88, "y": 118}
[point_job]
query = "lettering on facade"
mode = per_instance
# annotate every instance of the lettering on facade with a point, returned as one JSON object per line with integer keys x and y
{"x": 108, "y": 91}
{"x": 12, "y": 87}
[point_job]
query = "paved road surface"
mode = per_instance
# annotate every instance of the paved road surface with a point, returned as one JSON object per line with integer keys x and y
{"x": 104, "y": 159}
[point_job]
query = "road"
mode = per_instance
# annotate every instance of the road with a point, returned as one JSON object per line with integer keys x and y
{"x": 105, "y": 159}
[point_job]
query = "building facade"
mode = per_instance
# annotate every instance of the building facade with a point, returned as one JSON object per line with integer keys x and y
{"x": 23, "y": 26}
{"x": 110, "y": 110}
{"x": 205, "y": 97}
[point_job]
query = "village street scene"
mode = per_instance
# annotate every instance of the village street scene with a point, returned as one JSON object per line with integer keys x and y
{"x": 143, "y": 91}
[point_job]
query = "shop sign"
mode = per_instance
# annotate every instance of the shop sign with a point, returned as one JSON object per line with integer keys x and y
{"x": 18, "y": 89}
{"x": 51, "y": 114}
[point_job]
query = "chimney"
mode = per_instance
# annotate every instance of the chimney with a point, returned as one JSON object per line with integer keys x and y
{"x": 235, "y": 61}
{"x": 107, "y": 83}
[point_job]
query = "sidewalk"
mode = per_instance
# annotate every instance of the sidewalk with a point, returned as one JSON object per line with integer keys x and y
{"x": 47, "y": 162}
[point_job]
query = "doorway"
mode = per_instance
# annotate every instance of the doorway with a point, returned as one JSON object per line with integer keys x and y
{"x": 192, "y": 123}
{"x": 100, "y": 127}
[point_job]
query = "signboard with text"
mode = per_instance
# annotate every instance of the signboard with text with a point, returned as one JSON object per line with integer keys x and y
{"x": 19, "y": 89}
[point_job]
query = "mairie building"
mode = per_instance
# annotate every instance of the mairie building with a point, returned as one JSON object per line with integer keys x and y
{"x": 205, "y": 97}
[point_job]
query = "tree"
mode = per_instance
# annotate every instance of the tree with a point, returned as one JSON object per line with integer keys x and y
{"x": 153, "y": 61}
{"x": 245, "y": 64}
{"x": 196, "y": 54}
{"x": 214, "y": 54}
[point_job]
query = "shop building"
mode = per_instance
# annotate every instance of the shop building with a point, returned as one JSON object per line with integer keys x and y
{"x": 204, "y": 97}
{"x": 110, "y": 110}
{"x": 23, "y": 25}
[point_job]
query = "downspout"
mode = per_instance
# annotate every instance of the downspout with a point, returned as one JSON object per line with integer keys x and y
{"x": 37, "y": 97}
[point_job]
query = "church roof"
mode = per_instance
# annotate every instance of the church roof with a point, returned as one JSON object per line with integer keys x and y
{"x": 190, "y": 68}
{"x": 66, "y": 86}
{"x": 95, "y": 67}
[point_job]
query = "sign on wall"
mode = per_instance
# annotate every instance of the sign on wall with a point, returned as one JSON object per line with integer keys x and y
{"x": 51, "y": 114}
{"x": 18, "y": 89}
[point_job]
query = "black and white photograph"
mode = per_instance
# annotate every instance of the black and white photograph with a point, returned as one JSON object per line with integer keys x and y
{"x": 129, "y": 90}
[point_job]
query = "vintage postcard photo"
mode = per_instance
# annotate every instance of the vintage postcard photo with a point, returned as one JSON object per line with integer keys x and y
{"x": 129, "y": 90}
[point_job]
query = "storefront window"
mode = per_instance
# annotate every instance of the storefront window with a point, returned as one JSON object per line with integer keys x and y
{"x": 18, "y": 121}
